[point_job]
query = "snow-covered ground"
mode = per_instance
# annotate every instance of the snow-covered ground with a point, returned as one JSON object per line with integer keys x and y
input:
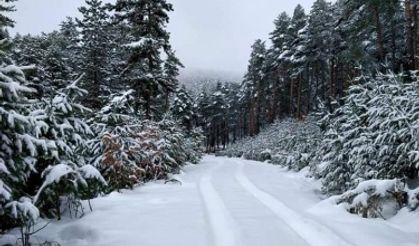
{"x": 226, "y": 202}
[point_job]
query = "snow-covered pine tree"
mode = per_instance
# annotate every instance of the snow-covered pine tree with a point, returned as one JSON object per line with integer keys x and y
{"x": 346, "y": 134}
{"x": 203, "y": 108}
{"x": 182, "y": 108}
{"x": 217, "y": 117}
{"x": 255, "y": 86}
{"x": 21, "y": 144}
{"x": 363, "y": 18}
{"x": 277, "y": 66}
{"x": 5, "y": 20}
{"x": 147, "y": 38}
{"x": 53, "y": 71}
{"x": 171, "y": 73}
{"x": 96, "y": 49}
{"x": 66, "y": 174}
{"x": 114, "y": 127}
{"x": 71, "y": 47}
{"x": 298, "y": 60}
{"x": 233, "y": 111}
{"x": 319, "y": 52}
{"x": 20, "y": 134}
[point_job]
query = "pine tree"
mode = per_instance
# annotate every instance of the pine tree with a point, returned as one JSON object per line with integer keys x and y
{"x": 298, "y": 30}
{"x": 70, "y": 37}
{"x": 320, "y": 54}
{"x": 114, "y": 127}
{"x": 65, "y": 173}
{"x": 147, "y": 20}
{"x": 5, "y": 21}
{"x": 96, "y": 48}
{"x": 182, "y": 108}
{"x": 203, "y": 109}
{"x": 22, "y": 143}
{"x": 277, "y": 65}
{"x": 254, "y": 84}
{"x": 171, "y": 72}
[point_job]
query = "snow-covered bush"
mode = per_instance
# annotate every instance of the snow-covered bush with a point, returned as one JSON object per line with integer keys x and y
{"x": 62, "y": 172}
{"x": 289, "y": 143}
{"x": 117, "y": 166}
{"x": 113, "y": 127}
{"x": 377, "y": 198}
{"x": 373, "y": 135}
{"x": 130, "y": 151}
{"x": 157, "y": 149}
{"x": 117, "y": 118}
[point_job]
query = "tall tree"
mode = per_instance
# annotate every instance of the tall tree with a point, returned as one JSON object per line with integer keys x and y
{"x": 276, "y": 66}
{"x": 148, "y": 37}
{"x": 255, "y": 87}
{"x": 183, "y": 109}
{"x": 5, "y": 21}
{"x": 96, "y": 45}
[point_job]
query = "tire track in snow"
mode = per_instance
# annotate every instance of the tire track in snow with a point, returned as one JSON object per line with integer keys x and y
{"x": 311, "y": 231}
{"x": 221, "y": 222}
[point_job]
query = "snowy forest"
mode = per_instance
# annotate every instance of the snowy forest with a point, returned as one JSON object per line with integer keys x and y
{"x": 95, "y": 110}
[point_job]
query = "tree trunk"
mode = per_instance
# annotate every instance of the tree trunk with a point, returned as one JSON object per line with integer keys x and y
{"x": 291, "y": 107}
{"x": 410, "y": 33}
{"x": 299, "y": 97}
{"x": 380, "y": 37}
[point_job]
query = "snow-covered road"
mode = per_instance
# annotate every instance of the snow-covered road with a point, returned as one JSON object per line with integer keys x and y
{"x": 226, "y": 202}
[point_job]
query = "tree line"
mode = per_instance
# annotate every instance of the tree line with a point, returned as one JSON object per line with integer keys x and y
{"x": 313, "y": 58}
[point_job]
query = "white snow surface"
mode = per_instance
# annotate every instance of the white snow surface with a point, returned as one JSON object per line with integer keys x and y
{"x": 90, "y": 172}
{"x": 3, "y": 167}
{"x": 229, "y": 202}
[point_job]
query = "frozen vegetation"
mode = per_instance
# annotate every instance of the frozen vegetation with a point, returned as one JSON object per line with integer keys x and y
{"x": 98, "y": 136}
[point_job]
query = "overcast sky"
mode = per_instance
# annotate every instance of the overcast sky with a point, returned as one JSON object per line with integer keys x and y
{"x": 207, "y": 34}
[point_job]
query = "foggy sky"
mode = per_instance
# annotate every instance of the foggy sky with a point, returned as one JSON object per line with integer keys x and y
{"x": 207, "y": 34}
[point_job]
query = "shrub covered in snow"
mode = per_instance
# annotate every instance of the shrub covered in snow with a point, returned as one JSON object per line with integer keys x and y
{"x": 289, "y": 143}
{"x": 373, "y": 135}
{"x": 41, "y": 149}
{"x": 61, "y": 172}
{"x": 130, "y": 151}
{"x": 377, "y": 198}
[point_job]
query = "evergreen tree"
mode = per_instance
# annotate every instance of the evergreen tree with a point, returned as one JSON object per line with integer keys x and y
{"x": 277, "y": 66}
{"x": 147, "y": 20}
{"x": 70, "y": 37}
{"x": 182, "y": 108}
{"x": 22, "y": 143}
{"x": 64, "y": 171}
{"x": 5, "y": 21}
{"x": 113, "y": 127}
{"x": 171, "y": 72}
{"x": 254, "y": 84}
{"x": 96, "y": 48}
{"x": 320, "y": 52}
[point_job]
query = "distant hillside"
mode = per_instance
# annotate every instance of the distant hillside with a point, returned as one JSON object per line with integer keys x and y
{"x": 196, "y": 79}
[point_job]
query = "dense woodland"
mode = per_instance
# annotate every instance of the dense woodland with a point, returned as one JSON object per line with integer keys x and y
{"x": 347, "y": 74}
{"x": 96, "y": 106}
{"x": 89, "y": 109}
{"x": 311, "y": 59}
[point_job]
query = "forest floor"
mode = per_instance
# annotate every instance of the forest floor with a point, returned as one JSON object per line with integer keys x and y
{"x": 229, "y": 202}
